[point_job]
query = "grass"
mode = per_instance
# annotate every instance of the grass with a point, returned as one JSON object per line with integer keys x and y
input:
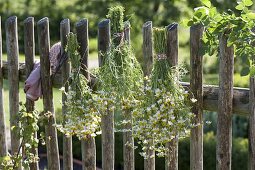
{"x": 93, "y": 55}
{"x": 92, "y": 52}
{"x": 57, "y": 96}
{"x": 213, "y": 79}
{"x": 21, "y": 57}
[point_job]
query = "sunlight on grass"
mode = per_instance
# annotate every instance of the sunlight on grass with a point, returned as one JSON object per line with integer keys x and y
{"x": 21, "y": 57}
{"x": 92, "y": 56}
{"x": 38, "y": 104}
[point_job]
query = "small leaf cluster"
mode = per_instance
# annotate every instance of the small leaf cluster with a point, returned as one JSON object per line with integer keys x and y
{"x": 237, "y": 25}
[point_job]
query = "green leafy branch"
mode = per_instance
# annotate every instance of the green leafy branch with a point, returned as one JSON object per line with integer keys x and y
{"x": 237, "y": 25}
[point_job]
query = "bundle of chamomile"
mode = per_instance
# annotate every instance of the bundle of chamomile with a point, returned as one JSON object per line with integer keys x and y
{"x": 164, "y": 112}
{"x": 82, "y": 118}
{"x": 120, "y": 75}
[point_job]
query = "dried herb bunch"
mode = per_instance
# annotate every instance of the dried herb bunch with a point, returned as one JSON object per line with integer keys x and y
{"x": 164, "y": 112}
{"x": 82, "y": 118}
{"x": 121, "y": 74}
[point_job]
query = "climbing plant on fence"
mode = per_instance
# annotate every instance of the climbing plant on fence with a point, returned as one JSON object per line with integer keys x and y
{"x": 28, "y": 127}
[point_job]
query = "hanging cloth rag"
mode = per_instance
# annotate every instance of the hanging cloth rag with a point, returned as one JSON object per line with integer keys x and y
{"x": 32, "y": 87}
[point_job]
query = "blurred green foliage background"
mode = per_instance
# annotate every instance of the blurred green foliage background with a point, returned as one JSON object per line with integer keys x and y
{"x": 161, "y": 13}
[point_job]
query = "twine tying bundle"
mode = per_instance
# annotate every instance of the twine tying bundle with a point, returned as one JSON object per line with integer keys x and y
{"x": 119, "y": 36}
{"x": 161, "y": 56}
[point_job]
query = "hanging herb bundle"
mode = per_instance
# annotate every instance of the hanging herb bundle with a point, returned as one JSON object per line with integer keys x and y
{"x": 164, "y": 112}
{"x": 82, "y": 118}
{"x": 121, "y": 74}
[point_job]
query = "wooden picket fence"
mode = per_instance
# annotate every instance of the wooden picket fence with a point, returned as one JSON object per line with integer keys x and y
{"x": 224, "y": 99}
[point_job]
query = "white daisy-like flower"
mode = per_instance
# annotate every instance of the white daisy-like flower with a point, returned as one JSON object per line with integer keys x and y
{"x": 193, "y": 100}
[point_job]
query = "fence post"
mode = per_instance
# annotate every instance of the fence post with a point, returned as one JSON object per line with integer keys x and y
{"x": 13, "y": 78}
{"x": 149, "y": 164}
{"x": 3, "y": 148}
{"x": 88, "y": 145}
{"x": 83, "y": 40}
{"x": 171, "y": 161}
{"x": 103, "y": 39}
{"x": 29, "y": 46}
{"x": 65, "y": 71}
{"x": 196, "y": 86}
{"x": 224, "y": 123}
{"x": 252, "y": 124}
{"x": 108, "y": 118}
{"x": 51, "y": 132}
{"x": 147, "y": 48}
{"x": 128, "y": 140}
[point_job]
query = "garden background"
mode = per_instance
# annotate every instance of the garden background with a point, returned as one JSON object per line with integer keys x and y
{"x": 162, "y": 13}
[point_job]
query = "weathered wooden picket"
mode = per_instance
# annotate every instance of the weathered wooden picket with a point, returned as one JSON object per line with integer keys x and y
{"x": 224, "y": 99}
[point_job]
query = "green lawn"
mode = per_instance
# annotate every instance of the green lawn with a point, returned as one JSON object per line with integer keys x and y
{"x": 92, "y": 55}
{"x": 239, "y": 81}
{"x": 39, "y": 105}
{"x": 21, "y": 57}
{"x": 213, "y": 79}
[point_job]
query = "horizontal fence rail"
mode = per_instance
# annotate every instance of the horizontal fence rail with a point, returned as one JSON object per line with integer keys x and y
{"x": 224, "y": 99}
{"x": 210, "y": 92}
